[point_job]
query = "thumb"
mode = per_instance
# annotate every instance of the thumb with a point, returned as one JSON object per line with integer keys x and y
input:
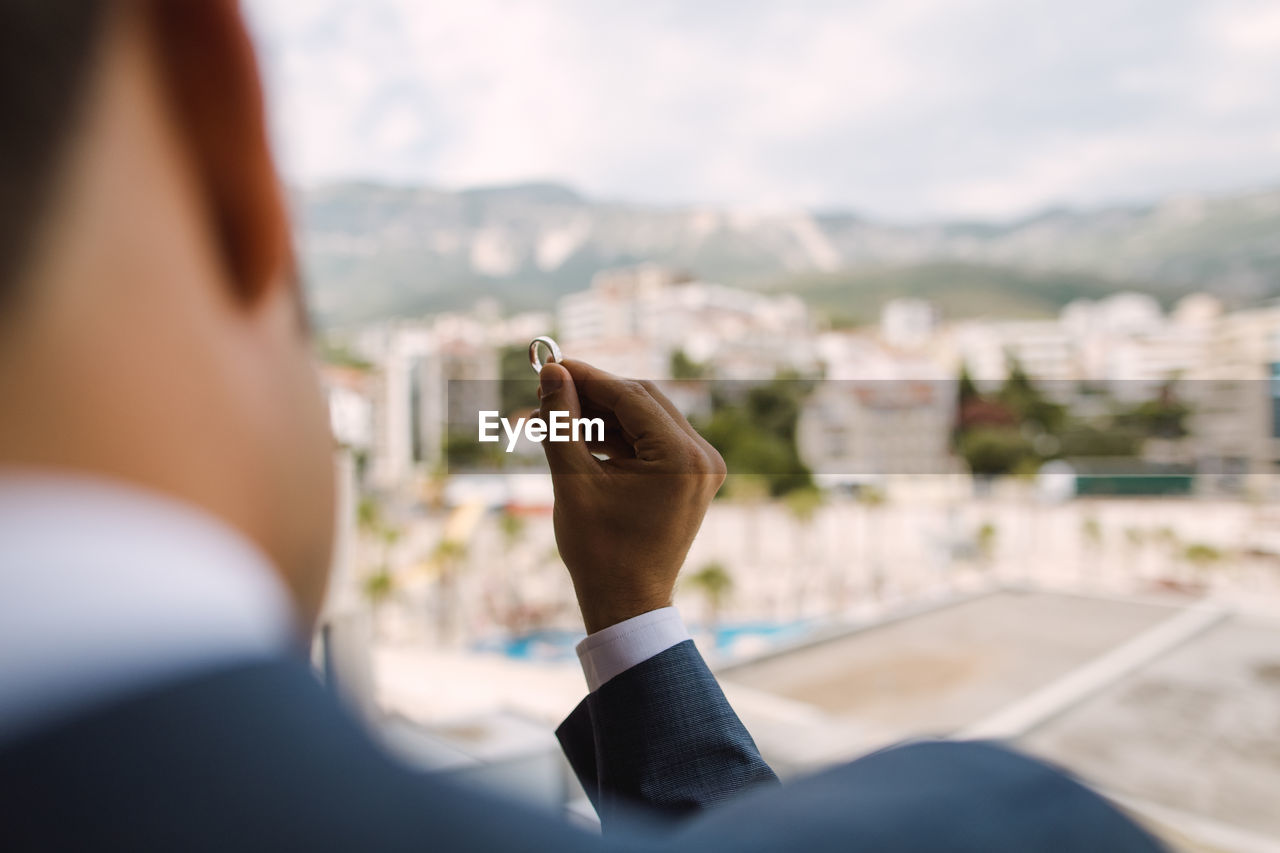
{"x": 559, "y": 394}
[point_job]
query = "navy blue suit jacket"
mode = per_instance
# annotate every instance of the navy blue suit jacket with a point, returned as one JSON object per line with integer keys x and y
{"x": 260, "y": 757}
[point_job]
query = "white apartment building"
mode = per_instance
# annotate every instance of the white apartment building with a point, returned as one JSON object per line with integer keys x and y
{"x": 1226, "y": 367}
{"x": 391, "y": 461}
{"x": 1233, "y": 394}
{"x": 632, "y": 321}
{"x": 1045, "y": 349}
{"x": 851, "y": 355}
{"x": 908, "y": 324}
{"x": 1122, "y": 339}
{"x": 428, "y": 374}
{"x": 347, "y": 390}
{"x": 1126, "y": 341}
{"x": 879, "y": 412}
{"x": 854, "y": 430}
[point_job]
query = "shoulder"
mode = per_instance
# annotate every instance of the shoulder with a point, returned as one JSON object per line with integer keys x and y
{"x": 256, "y": 757}
{"x": 936, "y": 795}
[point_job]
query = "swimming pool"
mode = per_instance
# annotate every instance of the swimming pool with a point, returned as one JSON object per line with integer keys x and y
{"x": 553, "y": 645}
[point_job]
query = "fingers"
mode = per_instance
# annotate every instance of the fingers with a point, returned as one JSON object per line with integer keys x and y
{"x": 613, "y": 446}
{"x": 676, "y": 415}
{"x": 559, "y": 394}
{"x": 638, "y": 413}
{"x": 715, "y": 461}
{"x": 644, "y": 416}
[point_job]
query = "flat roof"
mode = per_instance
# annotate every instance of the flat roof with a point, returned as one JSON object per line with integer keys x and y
{"x": 938, "y": 672}
{"x": 1198, "y": 729}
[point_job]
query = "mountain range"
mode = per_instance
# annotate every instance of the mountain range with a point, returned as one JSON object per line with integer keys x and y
{"x": 372, "y": 251}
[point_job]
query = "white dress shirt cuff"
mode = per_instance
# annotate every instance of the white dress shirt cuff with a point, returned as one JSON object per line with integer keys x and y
{"x": 617, "y": 648}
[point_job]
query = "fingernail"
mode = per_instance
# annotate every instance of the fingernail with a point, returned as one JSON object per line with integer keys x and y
{"x": 550, "y": 381}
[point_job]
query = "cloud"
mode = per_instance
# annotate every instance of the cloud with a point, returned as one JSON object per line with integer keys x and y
{"x": 901, "y": 108}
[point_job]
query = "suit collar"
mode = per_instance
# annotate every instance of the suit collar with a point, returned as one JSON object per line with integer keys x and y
{"x": 105, "y": 588}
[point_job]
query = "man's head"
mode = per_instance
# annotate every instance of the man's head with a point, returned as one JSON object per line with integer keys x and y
{"x": 151, "y": 327}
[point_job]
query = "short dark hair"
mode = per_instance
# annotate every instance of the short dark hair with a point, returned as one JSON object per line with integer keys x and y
{"x": 47, "y": 52}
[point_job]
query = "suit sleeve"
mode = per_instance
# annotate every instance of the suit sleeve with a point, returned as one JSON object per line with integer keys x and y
{"x": 662, "y": 736}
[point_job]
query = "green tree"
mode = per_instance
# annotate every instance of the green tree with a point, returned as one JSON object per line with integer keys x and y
{"x": 379, "y": 584}
{"x": 966, "y": 389}
{"x": 985, "y": 543}
{"x": 448, "y": 558}
{"x": 1026, "y": 401}
{"x": 872, "y": 498}
{"x": 379, "y": 587}
{"x": 995, "y": 451}
{"x": 682, "y": 367}
{"x": 1201, "y": 557}
{"x": 518, "y": 386}
{"x": 463, "y": 450}
{"x": 512, "y": 527}
{"x": 1165, "y": 417}
{"x": 755, "y": 432}
{"x": 1087, "y": 440}
{"x": 803, "y": 505}
{"x": 368, "y": 515}
{"x": 1091, "y": 532}
{"x": 340, "y": 355}
{"x": 716, "y": 584}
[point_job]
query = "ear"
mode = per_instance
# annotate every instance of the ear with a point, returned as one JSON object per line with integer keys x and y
{"x": 207, "y": 63}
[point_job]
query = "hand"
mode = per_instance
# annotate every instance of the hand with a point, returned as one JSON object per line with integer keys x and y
{"x": 625, "y": 523}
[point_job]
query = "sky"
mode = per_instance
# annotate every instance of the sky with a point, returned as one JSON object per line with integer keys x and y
{"x": 900, "y": 109}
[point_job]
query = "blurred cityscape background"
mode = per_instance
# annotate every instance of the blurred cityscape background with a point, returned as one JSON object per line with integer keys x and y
{"x": 981, "y": 304}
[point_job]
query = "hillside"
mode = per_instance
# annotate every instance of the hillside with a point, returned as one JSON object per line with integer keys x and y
{"x": 372, "y": 250}
{"x": 960, "y": 289}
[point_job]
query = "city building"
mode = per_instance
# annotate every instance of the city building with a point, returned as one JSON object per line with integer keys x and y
{"x": 349, "y": 394}
{"x": 428, "y": 374}
{"x": 1044, "y": 349}
{"x": 1233, "y": 397}
{"x": 908, "y": 324}
{"x": 851, "y": 431}
{"x": 633, "y": 321}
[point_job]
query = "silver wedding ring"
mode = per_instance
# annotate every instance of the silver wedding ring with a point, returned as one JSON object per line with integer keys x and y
{"x": 535, "y": 356}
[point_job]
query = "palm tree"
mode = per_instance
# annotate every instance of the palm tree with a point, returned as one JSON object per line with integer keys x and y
{"x": 434, "y": 486}
{"x": 716, "y": 584}
{"x": 1201, "y": 557}
{"x": 372, "y": 523}
{"x": 378, "y": 588}
{"x": 985, "y": 544}
{"x": 1168, "y": 539}
{"x": 508, "y": 611}
{"x": 749, "y": 490}
{"x": 1091, "y": 533}
{"x": 512, "y": 527}
{"x": 803, "y": 505}
{"x": 368, "y": 514}
{"x": 872, "y": 498}
{"x": 379, "y": 585}
{"x": 448, "y": 557}
{"x": 1135, "y": 540}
